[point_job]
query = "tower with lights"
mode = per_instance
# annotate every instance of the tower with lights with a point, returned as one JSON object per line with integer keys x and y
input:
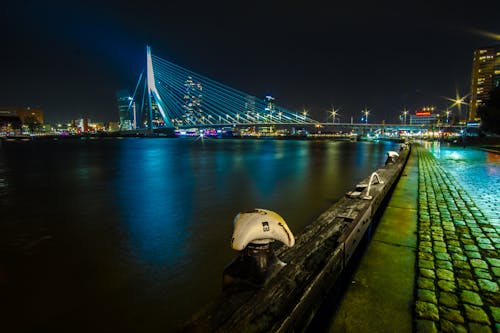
{"x": 485, "y": 76}
{"x": 124, "y": 104}
{"x": 192, "y": 101}
{"x": 268, "y": 111}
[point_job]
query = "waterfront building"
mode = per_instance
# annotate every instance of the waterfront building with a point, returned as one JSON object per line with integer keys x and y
{"x": 250, "y": 108}
{"x": 193, "y": 95}
{"x": 268, "y": 111}
{"x": 424, "y": 116}
{"x": 124, "y": 101}
{"x": 266, "y": 130}
{"x": 485, "y": 76}
{"x": 81, "y": 125}
{"x": 113, "y": 126}
{"x": 14, "y": 119}
{"x": 156, "y": 114}
{"x": 9, "y": 123}
{"x": 97, "y": 127}
{"x": 25, "y": 115}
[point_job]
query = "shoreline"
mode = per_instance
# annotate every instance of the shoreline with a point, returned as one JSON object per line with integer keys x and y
{"x": 487, "y": 143}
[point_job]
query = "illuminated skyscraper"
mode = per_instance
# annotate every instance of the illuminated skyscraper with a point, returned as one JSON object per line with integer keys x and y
{"x": 268, "y": 111}
{"x": 250, "y": 107}
{"x": 485, "y": 76}
{"x": 123, "y": 99}
{"x": 193, "y": 95}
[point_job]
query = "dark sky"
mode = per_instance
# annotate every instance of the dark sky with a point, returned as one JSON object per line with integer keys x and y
{"x": 69, "y": 57}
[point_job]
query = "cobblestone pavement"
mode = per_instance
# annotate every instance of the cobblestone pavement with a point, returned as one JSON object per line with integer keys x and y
{"x": 478, "y": 173}
{"x": 458, "y": 273}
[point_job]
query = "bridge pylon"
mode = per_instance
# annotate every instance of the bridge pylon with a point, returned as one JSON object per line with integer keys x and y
{"x": 153, "y": 93}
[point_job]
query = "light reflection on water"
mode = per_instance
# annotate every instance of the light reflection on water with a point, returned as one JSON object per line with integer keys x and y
{"x": 138, "y": 229}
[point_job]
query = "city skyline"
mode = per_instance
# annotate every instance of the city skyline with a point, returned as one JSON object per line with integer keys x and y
{"x": 70, "y": 59}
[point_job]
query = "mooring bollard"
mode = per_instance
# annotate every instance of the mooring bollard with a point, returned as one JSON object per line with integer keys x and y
{"x": 254, "y": 232}
{"x": 392, "y": 157}
{"x": 374, "y": 179}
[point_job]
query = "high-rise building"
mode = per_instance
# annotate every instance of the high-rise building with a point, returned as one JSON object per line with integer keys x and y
{"x": 269, "y": 109}
{"x": 124, "y": 108}
{"x": 193, "y": 95}
{"x": 485, "y": 77}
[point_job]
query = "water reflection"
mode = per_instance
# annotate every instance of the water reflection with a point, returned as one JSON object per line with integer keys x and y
{"x": 177, "y": 199}
{"x": 141, "y": 227}
{"x": 149, "y": 202}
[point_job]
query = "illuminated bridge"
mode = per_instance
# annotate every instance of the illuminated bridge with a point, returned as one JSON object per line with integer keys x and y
{"x": 170, "y": 96}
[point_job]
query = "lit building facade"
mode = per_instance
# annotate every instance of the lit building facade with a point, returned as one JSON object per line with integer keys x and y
{"x": 24, "y": 114}
{"x": 424, "y": 116}
{"x": 485, "y": 77}
{"x": 82, "y": 125}
{"x": 124, "y": 108}
{"x": 113, "y": 126}
{"x": 157, "y": 118}
{"x": 193, "y": 95}
{"x": 268, "y": 111}
{"x": 250, "y": 108}
{"x": 15, "y": 118}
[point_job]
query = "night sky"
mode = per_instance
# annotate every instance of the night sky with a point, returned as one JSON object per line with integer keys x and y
{"x": 69, "y": 57}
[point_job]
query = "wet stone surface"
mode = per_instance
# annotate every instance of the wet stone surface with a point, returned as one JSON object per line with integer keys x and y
{"x": 458, "y": 279}
{"x": 451, "y": 327}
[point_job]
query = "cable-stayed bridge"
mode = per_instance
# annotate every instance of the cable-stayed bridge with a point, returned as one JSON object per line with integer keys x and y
{"x": 170, "y": 96}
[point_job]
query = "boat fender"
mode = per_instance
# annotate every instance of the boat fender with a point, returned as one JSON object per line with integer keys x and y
{"x": 260, "y": 226}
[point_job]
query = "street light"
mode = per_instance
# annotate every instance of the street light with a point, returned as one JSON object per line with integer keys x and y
{"x": 366, "y": 112}
{"x": 304, "y": 113}
{"x": 458, "y": 102}
{"x": 405, "y": 113}
{"x": 334, "y": 113}
{"x": 447, "y": 112}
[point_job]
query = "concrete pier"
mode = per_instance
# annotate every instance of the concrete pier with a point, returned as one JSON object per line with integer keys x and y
{"x": 380, "y": 295}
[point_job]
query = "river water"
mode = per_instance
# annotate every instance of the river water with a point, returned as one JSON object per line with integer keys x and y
{"x": 133, "y": 234}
